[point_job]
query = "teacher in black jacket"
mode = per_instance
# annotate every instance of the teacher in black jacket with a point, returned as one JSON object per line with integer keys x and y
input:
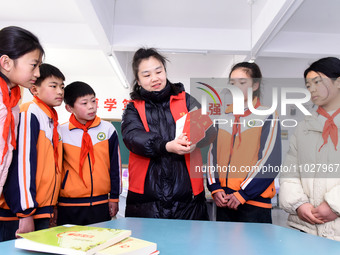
{"x": 162, "y": 180}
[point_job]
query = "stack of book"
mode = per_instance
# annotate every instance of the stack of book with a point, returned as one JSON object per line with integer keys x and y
{"x": 85, "y": 240}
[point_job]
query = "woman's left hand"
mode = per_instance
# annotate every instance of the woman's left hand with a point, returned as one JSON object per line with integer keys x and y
{"x": 192, "y": 148}
{"x": 180, "y": 145}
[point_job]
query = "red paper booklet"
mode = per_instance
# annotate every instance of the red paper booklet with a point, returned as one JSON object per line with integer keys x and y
{"x": 194, "y": 124}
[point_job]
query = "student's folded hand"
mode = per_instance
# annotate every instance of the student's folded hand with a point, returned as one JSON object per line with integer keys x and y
{"x": 233, "y": 202}
{"x": 113, "y": 208}
{"x": 324, "y": 212}
{"x": 26, "y": 225}
{"x": 220, "y": 199}
{"x": 305, "y": 213}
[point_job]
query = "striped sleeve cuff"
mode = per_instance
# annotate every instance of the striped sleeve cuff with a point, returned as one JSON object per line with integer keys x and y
{"x": 239, "y": 197}
{"x": 28, "y": 212}
{"x": 215, "y": 191}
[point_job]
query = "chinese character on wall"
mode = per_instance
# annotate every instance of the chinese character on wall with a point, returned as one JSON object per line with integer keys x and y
{"x": 125, "y": 102}
{"x": 110, "y": 103}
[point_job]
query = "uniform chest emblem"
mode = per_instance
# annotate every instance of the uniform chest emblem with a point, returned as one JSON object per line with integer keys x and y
{"x": 101, "y": 136}
{"x": 251, "y": 123}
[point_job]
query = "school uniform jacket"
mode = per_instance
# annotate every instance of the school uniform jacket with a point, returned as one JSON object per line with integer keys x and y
{"x": 100, "y": 184}
{"x": 260, "y": 146}
{"x": 33, "y": 181}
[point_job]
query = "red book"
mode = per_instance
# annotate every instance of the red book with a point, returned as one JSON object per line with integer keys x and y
{"x": 194, "y": 124}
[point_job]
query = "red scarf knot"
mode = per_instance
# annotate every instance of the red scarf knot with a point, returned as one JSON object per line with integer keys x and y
{"x": 237, "y": 127}
{"x": 86, "y": 144}
{"x": 10, "y": 101}
{"x": 329, "y": 129}
{"x": 55, "y": 137}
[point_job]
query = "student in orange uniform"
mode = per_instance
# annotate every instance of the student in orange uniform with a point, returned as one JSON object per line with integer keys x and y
{"x": 252, "y": 140}
{"x": 92, "y": 167}
{"x": 33, "y": 182}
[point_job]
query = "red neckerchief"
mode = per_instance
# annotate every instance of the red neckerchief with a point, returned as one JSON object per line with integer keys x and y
{"x": 55, "y": 137}
{"x": 86, "y": 144}
{"x": 237, "y": 127}
{"x": 329, "y": 129}
{"x": 9, "y": 101}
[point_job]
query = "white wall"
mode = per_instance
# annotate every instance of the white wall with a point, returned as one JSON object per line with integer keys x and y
{"x": 104, "y": 88}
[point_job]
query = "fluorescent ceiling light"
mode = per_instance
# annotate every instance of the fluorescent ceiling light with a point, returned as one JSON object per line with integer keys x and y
{"x": 252, "y": 60}
{"x": 118, "y": 70}
{"x": 181, "y": 51}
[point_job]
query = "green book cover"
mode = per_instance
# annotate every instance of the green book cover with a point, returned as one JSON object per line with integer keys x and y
{"x": 71, "y": 239}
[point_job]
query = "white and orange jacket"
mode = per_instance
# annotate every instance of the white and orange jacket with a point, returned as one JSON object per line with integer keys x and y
{"x": 33, "y": 181}
{"x": 245, "y": 172}
{"x": 102, "y": 182}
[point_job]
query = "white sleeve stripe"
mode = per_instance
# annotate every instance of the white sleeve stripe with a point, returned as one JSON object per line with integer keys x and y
{"x": 120, "y": 172}
{"x": 268, "y": 148}
{"x": 211, "y": 177}
{"x": 24, "y": 173}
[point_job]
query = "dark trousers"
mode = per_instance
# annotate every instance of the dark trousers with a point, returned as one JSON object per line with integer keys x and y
{"x": 8, "y": 228}
{"x": 193, "y": 209}
{"x": 245, "y": 213}
{"x": 83, "y": 215}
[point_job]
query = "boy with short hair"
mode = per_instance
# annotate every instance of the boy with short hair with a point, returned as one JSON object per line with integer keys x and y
{"x": 34, "y": 178}
{"x": 91, "y": 163}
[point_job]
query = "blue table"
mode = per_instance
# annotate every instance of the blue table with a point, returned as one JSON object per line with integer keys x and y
{"x": 210, "y": 237}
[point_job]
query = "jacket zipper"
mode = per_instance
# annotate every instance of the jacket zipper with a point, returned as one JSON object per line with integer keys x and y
{"x": 55, "y": 174}
{"x": 55, "y": 184}
{"x": 234, "y": 138}
{"x": 88, "y": 155}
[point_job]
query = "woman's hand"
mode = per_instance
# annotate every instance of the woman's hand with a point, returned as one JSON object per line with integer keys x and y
{"x": 180, "y": 146}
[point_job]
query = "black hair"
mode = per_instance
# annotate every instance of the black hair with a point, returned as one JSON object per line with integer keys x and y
{"x": 75, "y": 90}
{"x": 47, "y": 70}
{"x": 16, "y": 42}
{"x": 140, "y": 55}
{"x": 253, "y": 70}
{"x": 329, "y": 66}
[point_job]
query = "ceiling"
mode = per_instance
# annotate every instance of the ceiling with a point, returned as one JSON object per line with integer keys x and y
{"x": 200, "y": 38}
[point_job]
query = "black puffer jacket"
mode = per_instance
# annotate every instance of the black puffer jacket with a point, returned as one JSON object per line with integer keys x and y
{"x": 167, "y": 188}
